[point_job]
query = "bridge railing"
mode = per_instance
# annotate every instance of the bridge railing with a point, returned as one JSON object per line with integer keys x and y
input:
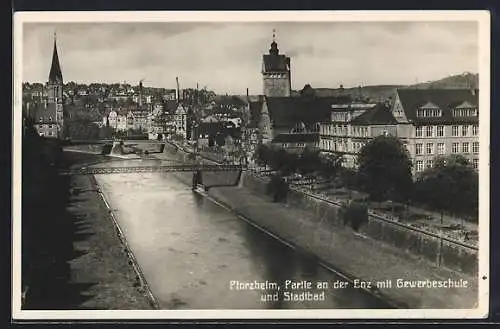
{"x": 144, "y": 169}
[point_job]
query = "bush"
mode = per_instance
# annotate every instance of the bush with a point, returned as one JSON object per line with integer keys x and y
{"x": 355, "y": 214}
{"x": 278, "y": 188}
{"x": 106, "y": 149}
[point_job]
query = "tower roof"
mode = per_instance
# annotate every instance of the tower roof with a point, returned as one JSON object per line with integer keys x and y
{"x": 55, "y": 74}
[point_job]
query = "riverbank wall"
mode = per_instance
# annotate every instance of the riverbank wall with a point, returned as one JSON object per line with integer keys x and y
{"x": 313, "y": 225}
{"x": 438, "y": 250}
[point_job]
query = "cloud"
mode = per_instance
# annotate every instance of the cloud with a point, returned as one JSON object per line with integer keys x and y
{"x": 227, "y": 57}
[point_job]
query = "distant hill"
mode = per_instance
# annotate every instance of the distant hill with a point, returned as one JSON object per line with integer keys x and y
{"x": 465, "y": 80}
{"x": 381, "y": 93}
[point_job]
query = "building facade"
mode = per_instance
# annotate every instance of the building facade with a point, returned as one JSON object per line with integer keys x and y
{"x": 438, "y": 122}
{"x": 181, "y": 124}
{"x": 351, "y": 126}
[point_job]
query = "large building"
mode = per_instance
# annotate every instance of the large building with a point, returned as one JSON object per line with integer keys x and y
{"x": 48, "y": 114}
{"x": 353, "y": 125}
{"x": 433, "y": 122}
{"x": 429, "y": 122}
{"x": 276, "y": 73}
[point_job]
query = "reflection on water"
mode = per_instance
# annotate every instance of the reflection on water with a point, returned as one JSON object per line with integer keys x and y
{"x": 190, "y": 249}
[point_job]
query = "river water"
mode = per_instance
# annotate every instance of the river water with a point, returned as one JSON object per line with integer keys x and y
{"x": 191, "y": 249}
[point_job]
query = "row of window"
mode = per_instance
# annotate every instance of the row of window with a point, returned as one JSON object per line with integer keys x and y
{"x": 344, "y": 130}
{"x": 341, "y": 146}
{"x": 419, "y": 164}
{"x": 50, "y": 133}
{"x": 422, "y": 113}
{"x": 465, "y": 112}
{"x": 426, "y": 113}
{"x": 438, "y": 131}
{"x": 441, "y": 149}
{"x": 342, "y": 116}
{"x": 276, "y": 76}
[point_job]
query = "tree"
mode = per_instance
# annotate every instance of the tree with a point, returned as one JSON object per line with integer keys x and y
{"x": 263, "y": 155}
{"x": 290, "y": 164}
{"x": 452, "y": 185}
{"x": 355, "y": 214}
{"x": 309, "y": 161}
{"x": 278, "y": 159}
{"x": 384, "y": 169}
{"x": 331, "y": 165}
{"x": 278, "y": 188}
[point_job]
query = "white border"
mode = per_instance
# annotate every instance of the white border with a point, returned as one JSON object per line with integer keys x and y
{"x": 482, "y": 17}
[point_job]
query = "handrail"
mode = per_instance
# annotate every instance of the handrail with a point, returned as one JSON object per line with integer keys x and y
{"x": 411, "y": 228}
{"x": 378, "y": 217}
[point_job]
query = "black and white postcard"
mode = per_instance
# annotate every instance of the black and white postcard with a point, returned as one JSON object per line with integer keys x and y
{"x": 251, "y": 165}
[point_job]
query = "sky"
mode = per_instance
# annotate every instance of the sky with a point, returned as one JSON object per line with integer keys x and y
{"x": 227, "y": 57}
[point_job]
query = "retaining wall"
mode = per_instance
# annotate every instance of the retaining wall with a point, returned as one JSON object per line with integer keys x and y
{"x": 440, "y": 251}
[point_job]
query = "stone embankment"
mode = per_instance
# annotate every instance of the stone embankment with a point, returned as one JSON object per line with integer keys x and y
{"x": 314, "y": 226}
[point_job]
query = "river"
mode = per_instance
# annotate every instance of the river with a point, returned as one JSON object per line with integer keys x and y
{"x": 191, "y": 249}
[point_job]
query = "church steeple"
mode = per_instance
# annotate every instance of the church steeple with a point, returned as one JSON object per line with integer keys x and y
{"x": 55, "y": 75}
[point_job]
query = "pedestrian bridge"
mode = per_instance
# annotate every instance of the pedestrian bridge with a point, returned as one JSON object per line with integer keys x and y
{"x": 172, "y": 167}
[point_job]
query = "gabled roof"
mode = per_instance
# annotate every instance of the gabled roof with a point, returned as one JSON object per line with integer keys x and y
{"x": 465, "y": 105}
{"x": 445, "y": 99}
{"x": 429, "y": 105}
{"x": 379, "y": 115}
{"x": 287, "y": 111}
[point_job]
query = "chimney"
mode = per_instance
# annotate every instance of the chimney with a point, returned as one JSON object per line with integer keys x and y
{"x": 248, "y": 96}
{"x": 177, "y": 91}
{"x": 140, "y": 93}
{"x": 197, "y": 94}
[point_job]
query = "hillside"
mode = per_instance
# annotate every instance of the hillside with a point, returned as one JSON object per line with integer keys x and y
{"x": 383, "y": 92}
{"x": 465, "y": 80}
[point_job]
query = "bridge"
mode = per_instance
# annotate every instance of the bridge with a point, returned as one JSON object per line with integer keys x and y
{"x": 174, "y": 167}
{"x": 74, "y": 141}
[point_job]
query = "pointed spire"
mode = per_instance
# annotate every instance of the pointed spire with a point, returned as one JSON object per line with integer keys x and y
{"x": 55, "y": 75}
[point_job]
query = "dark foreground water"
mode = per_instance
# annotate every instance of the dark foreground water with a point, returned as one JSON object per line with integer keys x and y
{"x": 197, "y": 255}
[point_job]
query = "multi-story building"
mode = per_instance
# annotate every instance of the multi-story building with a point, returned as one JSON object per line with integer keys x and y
{"x": 434, "y": 122}
{"x": 181, "y": 124}
{"x": 294, "y": 122}
{"x": 121, "y": 120}
{"x": 351, "y": 126}
{"x": 276, "y": 73}
{"x": 137, "y": 119}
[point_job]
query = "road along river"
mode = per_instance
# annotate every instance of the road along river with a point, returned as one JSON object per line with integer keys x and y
{"x": 195, "y": 254}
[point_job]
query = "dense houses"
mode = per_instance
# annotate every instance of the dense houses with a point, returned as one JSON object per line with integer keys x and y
{"x": 430, "y": 122}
